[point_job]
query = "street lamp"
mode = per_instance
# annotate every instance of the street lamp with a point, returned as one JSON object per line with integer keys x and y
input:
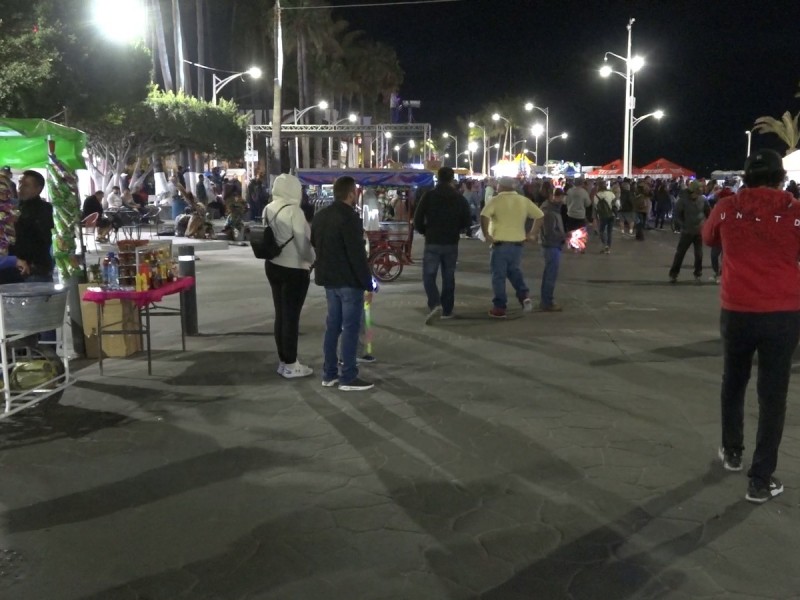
{"x": 632, "y": 65}
{"x": 218, "y": 82}
{"x": 122, "y": 21}
{"x": 536, "y": 131}
{"x": 497, "y": 117}
{"x": 472, "y": 147}
{"x": 352, "y": 118}
{"x": 658, "y": 115}
{"x": 562, "y": 136}
{"x": 484, "y": 158}
{"x": 323, "y": 105}
{"x": 397, "y": 147}
{"x": 529, "y": 106}
{"x": 447, "y": 136}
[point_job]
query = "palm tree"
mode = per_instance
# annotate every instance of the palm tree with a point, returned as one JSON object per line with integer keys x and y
{"x": 786, "y": 129}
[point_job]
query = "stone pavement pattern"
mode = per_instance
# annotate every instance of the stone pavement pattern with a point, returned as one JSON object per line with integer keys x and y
{"x": 554, "y": 456}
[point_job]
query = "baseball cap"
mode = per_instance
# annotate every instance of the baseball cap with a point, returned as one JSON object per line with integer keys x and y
{"x": 763, "y": 161}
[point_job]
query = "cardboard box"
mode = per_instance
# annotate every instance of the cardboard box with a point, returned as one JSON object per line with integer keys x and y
{"x": 117, "y": 314}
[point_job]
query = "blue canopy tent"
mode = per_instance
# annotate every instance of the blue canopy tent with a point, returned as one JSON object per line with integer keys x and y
{"x": 368, "y": 177}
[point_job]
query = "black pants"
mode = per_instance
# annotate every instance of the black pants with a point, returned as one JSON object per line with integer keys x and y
{"x": 289, "y": 288}
{"x": 686, "y": 240}
{"x": 775, "y": 336}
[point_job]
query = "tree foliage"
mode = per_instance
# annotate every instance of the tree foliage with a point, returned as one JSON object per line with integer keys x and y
{"x": 53, "y": 57}
{"x": 786, "y": 129}
{"x": 164, "y": 123}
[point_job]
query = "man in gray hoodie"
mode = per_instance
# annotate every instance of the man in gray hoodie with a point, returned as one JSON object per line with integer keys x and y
{"x": 690, "y": 214}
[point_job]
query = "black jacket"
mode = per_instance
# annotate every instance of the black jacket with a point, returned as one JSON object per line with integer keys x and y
{"x": 91, "y": 205}
{"x": 34, "y": 235}
{"x": 442, "y": 215}
{"x": 338, "y": 239}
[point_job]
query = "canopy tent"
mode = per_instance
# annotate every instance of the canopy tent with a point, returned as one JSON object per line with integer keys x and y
{"x": 665, "y": 168}
{"x": 791, "y": 163}
{"x": 368, "y": 177}
{"x": 612, "y": 169}
{"x": 23, "y": 144}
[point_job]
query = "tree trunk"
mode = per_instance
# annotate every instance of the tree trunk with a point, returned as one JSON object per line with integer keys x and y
{"x": 181, "y": 68}
{"x": 201, "y": 47}
{"x": 306, "y": 101}
{"x": 318, "y": 141}
{"x": 161, "y": 45}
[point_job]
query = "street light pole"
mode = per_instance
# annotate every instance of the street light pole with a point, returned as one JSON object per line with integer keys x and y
{"x": 484, "y": 158}
{"x": 322, "y": 105}
{"x": 658, "y": 114}
{"x": 497, "y": 117}
{"x": 218, "y": 82}
{"x": 446, "y": 135}
{"x": 546, "y": 111}
{"x": 563, "y": 136}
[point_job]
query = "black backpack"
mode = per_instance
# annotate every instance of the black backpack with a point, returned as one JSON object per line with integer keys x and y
{"x": 263, "y": 242}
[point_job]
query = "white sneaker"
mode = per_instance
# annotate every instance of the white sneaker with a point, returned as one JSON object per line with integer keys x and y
{"x": 296, "y": 370}
{"x": 281, "y": 367}
{"x": 527, "y": 305}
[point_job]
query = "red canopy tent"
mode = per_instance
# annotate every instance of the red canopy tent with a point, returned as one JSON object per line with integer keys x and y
{"x": 665, "y": 168}
{"x": 612, "y": 169}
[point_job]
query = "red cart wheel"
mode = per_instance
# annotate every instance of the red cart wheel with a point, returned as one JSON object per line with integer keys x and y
{"x": 386, "y": 265}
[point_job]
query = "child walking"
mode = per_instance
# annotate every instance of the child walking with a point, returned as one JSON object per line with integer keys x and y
{"x": 551, "y": 230}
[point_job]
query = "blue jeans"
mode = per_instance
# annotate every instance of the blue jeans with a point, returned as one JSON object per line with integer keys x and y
{"x": 504, "y": 262}
{"x": 178, "y": 206}
{"x": 444, "y": 256}
{"x": 345, "y": 310}
{"x": 606, "y": 227}
{"x": 552, "y": 259}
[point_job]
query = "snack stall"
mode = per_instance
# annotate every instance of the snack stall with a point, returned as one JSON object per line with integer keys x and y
{"x": 386, "y": 204}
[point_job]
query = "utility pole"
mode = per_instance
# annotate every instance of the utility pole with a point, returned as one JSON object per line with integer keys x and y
{"x": 277, "y": 114}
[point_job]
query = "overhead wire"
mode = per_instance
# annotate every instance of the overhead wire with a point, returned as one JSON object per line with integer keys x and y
{"x": 371, "y": 4}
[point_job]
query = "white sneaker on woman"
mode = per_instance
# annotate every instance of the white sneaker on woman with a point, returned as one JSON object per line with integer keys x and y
{"x": 296, "y": 370}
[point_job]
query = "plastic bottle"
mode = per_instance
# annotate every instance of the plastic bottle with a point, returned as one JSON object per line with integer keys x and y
{"x": 105, "y": 268}
{"x": 113, "y": 271}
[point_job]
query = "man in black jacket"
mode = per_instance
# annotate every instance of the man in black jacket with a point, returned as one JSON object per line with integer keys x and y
{"x": 441, "y": 215}
{"x": 34, "y": 228}
{"x": 342, "y": 269}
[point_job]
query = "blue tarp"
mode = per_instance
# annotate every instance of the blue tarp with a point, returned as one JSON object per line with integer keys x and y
{"x": 368, "y": 177}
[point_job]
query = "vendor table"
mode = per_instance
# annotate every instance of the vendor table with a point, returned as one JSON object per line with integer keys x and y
{"x": 145, "y": 303}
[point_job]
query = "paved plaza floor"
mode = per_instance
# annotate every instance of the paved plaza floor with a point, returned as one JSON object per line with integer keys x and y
{"x": 546, "y": 456}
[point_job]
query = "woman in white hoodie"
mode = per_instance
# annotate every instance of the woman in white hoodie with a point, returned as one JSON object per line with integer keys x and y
{"x": 289, "y": 273}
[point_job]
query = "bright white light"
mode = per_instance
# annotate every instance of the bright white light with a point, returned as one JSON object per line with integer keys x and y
{"x": 446, "y": 155}
{"x": 496, "y": 146}
{"x": 564, "y": 135}
{"x": 388, "y": 135}
{"x": 605, "y": 71}
{"x": 529, "y": 106}
{"x": 637, "y": 62}
{"x": 397, "y": 148}
{"x": 412, "y": 143}
{"x": 495, "y": 117}
{"x": 323, "y": 105}
{"x": 471, "y": 124}
{"x": 121, "y": 20}
{"x": 537, "y": 130}
{"x": 658, "y": 114}
{"x": 254, "y": 72}
{"x": 445, "y": 135}
{"x": 353, "y": 117}
{"x": 473, "y": 146}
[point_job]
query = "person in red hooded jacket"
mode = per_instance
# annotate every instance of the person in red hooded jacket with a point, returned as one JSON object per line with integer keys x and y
{"x": 759, "y": 231}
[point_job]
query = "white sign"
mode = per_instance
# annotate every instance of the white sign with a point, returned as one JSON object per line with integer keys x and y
{"x": 251, "y": 156}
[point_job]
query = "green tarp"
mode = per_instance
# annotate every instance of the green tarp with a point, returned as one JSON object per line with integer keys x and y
{"x": 23, "y": 144}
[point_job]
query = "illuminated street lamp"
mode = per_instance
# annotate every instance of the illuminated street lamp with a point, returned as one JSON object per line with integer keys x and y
{"x": 447, "y": 136}
{"x": 323, "y": 105}
{"x": 632, "y": 65}
{"x": 536, "y": 131}
{"x": 562, "y": 136}
{"x": 529, "y": 106}
{"x": 497, "y": 117}
{"x": 472, "y": 147}
{"x": 658, "y": 115}
{"x": 219, "y": 82}
{"x": 410, "y": 143}
{"x": 484, "y": 157}
{"x": 121, "y": 21}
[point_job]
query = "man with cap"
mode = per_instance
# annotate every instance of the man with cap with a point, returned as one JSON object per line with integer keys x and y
{"x": 441, "y": 215}
{"x": 503, "y": 223}
{"x": 690, "y": 213}
{"x": 759, "y": 231}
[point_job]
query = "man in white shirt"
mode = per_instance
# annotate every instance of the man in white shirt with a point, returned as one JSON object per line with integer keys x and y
{"x": 114, "y": 200}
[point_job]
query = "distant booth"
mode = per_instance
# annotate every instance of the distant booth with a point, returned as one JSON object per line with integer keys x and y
{"x": 612, "y": 169}
{"x": 665, "y": 169}
{"x": 386, "y": 200}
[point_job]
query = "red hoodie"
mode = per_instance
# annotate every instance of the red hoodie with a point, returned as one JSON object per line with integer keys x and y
{"x": 759, "y": 231}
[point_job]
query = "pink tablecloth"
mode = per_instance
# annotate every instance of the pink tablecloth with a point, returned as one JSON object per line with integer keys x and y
{"x": 99, "y": 295}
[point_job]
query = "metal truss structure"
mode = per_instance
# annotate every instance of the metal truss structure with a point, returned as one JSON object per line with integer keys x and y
{"x": 370, "y": 135}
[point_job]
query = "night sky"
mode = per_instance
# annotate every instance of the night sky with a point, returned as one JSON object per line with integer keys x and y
{"x": 712, "y": 66}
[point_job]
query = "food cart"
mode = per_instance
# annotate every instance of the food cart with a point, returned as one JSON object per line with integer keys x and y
{"x": 388, "y": 223}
